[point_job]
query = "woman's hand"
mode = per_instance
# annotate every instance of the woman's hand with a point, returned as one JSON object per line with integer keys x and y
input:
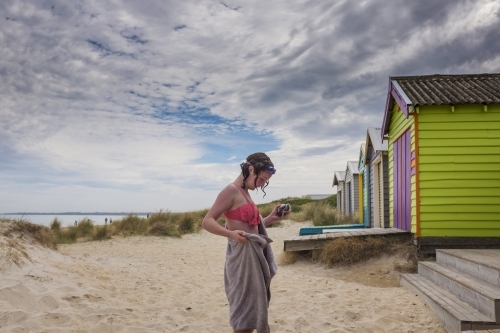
{"x": 273, "y": 217}
{"x": 238, "y": 235}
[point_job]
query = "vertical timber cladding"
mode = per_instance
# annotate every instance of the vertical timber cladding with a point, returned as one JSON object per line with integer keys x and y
{"x": 366, "y": 196}
{"x": 459, "y": 170}
{"x": 399, "y": 124}
{"x": 402, "y": 187}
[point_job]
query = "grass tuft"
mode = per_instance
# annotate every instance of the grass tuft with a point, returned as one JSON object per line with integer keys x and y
{"x": 55, "y": 225}
{"x": 40, "y": 234}
{"x": 101, "y": 233}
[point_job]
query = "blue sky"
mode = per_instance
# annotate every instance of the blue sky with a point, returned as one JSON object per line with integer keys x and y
{"x": 140, "y": 106}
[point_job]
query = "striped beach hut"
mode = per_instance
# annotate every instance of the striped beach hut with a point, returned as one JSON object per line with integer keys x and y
{"x": 352, "y": 185}
{"x": 444, "y": 158}
{"x": 364, "y": 171}
{"x": 378, "y": 182}
{"x": 339, "y": 180}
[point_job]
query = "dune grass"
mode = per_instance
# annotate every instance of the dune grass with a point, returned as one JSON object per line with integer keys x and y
{"x": 165, "y": 223}
{"x": 346, "y": 251}
{"x": 37, "y": 233}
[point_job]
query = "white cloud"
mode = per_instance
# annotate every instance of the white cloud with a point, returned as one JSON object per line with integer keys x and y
{"x": 119, "y": 104}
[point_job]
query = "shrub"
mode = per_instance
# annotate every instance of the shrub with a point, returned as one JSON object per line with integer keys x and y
{"x": 163, "y": 229}
{"x": 85, "y": 228}
{"x": 324, "y": 215}
{"x": 161, "y": 216}
{"x": 101, "y": 232}
{"x": 66, "y": 235}
{"x": 187, "y": 224}
{"x": 41, "y": 234}
{"x": 56, "y": 224}
{"x": 132, "y": 225}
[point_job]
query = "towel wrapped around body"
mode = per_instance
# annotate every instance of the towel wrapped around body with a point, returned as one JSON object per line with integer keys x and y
{"x": 249, "y": 268}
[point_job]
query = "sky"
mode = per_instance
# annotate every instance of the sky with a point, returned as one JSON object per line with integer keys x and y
{"x": 133, "y": 106}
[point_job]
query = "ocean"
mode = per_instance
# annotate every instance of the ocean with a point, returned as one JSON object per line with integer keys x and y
{"x": 67, "y": 219}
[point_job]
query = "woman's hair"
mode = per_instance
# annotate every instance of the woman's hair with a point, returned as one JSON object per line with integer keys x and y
{"x": 260, "y": 162}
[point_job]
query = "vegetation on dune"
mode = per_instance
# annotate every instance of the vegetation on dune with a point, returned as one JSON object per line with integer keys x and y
{"x": 320, "y": 212}
{"x": 38, "y": 233}
{"x": 166, "y": 223}
{"x": 346, "y": 251}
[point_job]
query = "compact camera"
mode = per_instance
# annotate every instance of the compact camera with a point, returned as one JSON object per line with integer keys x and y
{"x": 283, "y": 209}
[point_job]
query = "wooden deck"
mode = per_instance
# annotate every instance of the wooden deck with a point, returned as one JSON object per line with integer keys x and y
{"x": 314, "y": 242}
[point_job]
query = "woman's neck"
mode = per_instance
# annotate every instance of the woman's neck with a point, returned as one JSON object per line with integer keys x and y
{"x": 239, "y": 181}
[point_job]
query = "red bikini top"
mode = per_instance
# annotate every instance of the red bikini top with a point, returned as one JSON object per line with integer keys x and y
{"x": 245, "y": 213}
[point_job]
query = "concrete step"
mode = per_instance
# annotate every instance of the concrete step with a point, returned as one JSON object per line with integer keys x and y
{"x": 480, "y": 295}
{"x": 455, "y": 314}
{"x": 483, "y": 264}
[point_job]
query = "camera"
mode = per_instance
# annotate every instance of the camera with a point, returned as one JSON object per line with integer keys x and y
{"x": 283, "y": 209}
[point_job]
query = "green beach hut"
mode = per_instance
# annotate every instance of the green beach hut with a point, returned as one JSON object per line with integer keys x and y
{"x": 364, "y": 172}
{"x": 443, "y": 135}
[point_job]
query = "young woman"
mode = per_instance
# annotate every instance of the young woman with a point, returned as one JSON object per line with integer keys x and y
{"x": 250, "y": 263}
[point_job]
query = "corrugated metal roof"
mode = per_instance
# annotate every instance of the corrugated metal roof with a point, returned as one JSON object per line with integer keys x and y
{"x": 353, "y": 166}
{"x": 339, "y": 176}
{"x": 451, "y": 89}
{"x": 376, "y": 139}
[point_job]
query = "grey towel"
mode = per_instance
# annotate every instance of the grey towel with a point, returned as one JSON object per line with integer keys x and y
{"x": 249, "y": 268}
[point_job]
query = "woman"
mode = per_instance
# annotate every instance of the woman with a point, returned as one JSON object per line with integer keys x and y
{"x": 250, "y": 263}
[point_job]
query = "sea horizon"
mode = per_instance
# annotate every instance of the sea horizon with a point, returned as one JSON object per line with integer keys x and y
{"x": 69, "y": 218}
{"x": 77, "y": 213}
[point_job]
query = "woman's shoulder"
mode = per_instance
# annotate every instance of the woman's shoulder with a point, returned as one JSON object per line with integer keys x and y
{"x": 231, "y": 189}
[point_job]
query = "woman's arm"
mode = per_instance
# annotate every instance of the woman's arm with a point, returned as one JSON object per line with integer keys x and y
{"x": 223, "y": 203}
{"x": 273, "y": 217}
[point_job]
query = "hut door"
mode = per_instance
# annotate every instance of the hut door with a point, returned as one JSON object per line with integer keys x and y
{"x": 348, "y": 198}
{"x": 339, "y": 201}
{"x": 402, "y": 184}
{"x": 381, "y": 199}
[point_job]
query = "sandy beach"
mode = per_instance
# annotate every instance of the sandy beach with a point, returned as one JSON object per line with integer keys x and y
{"x": 156, "y": 284}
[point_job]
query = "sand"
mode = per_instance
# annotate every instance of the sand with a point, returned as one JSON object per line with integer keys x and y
{"x": 153, "y": 284}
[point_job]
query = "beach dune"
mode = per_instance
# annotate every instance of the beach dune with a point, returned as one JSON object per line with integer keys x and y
{"x": 156, "y": 284}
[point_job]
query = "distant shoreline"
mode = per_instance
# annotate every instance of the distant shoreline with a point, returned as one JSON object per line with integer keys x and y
{"x": 79, "y": 213}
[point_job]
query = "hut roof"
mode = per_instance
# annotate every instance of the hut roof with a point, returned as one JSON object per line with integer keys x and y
{"x": 339, "y": 176}
{"x": 353, "y": 166}
{"x": 451, "y": 89}
{"x": 410, "y": 92}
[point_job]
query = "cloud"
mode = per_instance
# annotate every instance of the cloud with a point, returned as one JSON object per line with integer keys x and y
{"x": 148, "y": 103}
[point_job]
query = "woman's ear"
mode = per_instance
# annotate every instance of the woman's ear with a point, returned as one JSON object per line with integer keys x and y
{"x": 251, "y": 169}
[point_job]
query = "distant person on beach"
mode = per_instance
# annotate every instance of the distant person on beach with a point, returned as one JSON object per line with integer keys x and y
{"x": 76, "y": 223}
{"x": 110, "y": 220}
{"x": 106, "y": 220}
{"x": 147, "y": 216}
{"x": 250, "y": 263}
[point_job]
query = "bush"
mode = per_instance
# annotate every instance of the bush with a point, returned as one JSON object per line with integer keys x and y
{"x": 163, "y": 229}
{"x": 101, "y": 232}
{"x": 187, "y": 224}
{"x": 56, "y": 224}
{"x": 132, "y": 225}
{"x": 41, "y": 234}
{"x": 85, "y": 228}
{"x": 66, "y": 235}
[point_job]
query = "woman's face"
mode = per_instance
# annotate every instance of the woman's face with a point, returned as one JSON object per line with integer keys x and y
{"x": 262, "y": 178}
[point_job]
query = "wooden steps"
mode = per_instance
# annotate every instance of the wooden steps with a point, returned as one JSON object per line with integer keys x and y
{"x": 462, "y": 287}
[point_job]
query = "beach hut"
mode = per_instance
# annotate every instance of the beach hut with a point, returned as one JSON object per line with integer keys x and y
{"x": 364, "y": 171}
{"x": 376, "y": 160}
{"x": 353, "y": 201}
{"x": 444, "y": 164}
{"x": 339, "y": 180}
